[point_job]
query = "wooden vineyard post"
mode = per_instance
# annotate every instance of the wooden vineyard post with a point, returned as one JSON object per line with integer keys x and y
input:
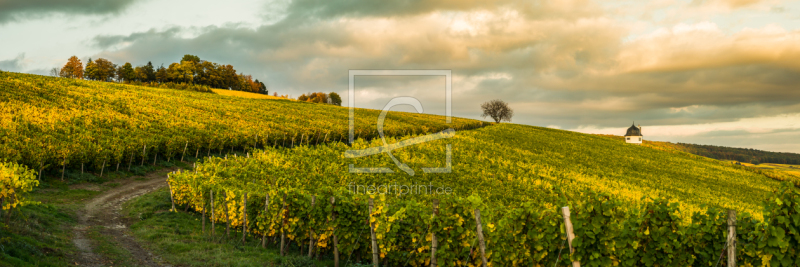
{"x": 184, "y": 149}
{"x": 386, "y": 257}
{"x": 570, "y": 234}
{"x": 196, "y": 152}
{"x": 204, "y": 216}
{"x": 264, "y": 237}
{"x": 244, "y": 217}
{"x": 283, "y": 224}
{"x": 117, "y": 167}
{"x": 212, "y": 212}
{"x": 144, "y": 154}
{"x": 227, "y": 217}
{"x": 130, "y": 161}
{"x": 171, "y": 198}
{"x": 434, "y": 242}
{"x": 375, "y": 255}
{"x": 335, "y": 240}
{"x": 155, "y": 158}
{"x": 63, "y": 167}
{"x": 255, "y": 144}
{"x": 103, "y": 168}
{"x": 481, "y": 242}
{"x": 731, "y": 238}
{"x": 311, "y": 236}
{"x": 41, "y": 166}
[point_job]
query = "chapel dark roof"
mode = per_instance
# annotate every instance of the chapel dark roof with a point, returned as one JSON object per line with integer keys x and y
{"x": 634, "y": 131}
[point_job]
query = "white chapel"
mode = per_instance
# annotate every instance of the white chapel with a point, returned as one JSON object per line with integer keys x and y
{"x": 634, "y": 135}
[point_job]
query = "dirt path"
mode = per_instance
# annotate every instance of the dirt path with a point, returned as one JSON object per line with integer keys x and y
{"x": 103, "y": 212}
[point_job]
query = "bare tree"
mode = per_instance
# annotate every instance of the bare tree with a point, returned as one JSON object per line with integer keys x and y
{"x": 498, "y": 110}
{"x": 54, "y": 72}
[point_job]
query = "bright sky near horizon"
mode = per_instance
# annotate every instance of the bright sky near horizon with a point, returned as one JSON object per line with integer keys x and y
{"x": 718, "y": 72}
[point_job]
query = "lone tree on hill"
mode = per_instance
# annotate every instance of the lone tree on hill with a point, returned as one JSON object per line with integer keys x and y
{"x": 498, "y": 110}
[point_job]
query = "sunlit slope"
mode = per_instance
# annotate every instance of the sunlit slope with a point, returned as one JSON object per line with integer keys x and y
{"x": 47, "y": 121}
{"x": 632, "y": 171}
{"x": 508, "y": 164}
{"x": 244, "y": 94}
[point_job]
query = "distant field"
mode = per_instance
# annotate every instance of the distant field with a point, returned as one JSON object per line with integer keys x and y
{"x": 793, "y": 169}
{"x": 245, "y": 94}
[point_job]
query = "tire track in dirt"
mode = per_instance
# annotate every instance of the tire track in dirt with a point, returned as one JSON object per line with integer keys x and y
{"x": 104, "y": 211}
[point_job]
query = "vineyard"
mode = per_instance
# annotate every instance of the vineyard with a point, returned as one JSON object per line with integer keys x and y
{"x": 506, "y": 164}
{"x": 632, "y": 206}
{"x": 280, "y": 169}
{"x": 56, "y": 123}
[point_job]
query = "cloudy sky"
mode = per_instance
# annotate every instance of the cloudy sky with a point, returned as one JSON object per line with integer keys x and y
{"x": 721, "y": 72}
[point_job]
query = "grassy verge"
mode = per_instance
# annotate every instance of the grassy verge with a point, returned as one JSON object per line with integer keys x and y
{"x": 35, "y": 236}
{"x": 177, "y": 237}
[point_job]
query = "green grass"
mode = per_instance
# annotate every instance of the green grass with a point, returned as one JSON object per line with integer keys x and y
{"x": 37, "y": 235}
{"x": 41, "y": 234}
{"x": 177, "y": 238}
{"x": 104, "y": 245}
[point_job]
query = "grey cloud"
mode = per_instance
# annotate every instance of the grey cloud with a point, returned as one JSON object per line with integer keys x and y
{"x": 14, "y": 65}
{"x": 108, "y": 41}
{"x": 725, "y": 93}
{"x": 557, "y": 74}
{"x": 16, "y": 10}
{"x": 324, "y": 9}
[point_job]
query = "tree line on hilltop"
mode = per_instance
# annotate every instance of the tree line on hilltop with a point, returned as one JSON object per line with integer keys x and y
{"x": 191, "y": 73}
{"x": 319, "y": 97}
{"x": 748, "y": 155}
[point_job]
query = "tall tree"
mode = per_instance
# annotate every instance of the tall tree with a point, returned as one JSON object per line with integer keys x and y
{"x": 149, "y": 72}
{"x": 139, "y": 74}
{"x": 174, "y": 73}
{"x": 128, "y": 73}
{"x": 335, "y": 98}
{"x": 161, "y": 74}
{"x": 91, "y": 70}
{"x": 73, "y": 68}
{"x": 191, "y": 58}
{"x": 186, "y": 70}
{"x": 262, "y": 89}
{"x": 105, "y": 69}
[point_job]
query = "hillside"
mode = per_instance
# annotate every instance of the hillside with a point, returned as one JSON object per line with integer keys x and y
{"x": 517, "y": 175}
{"x": 48, "y": 122}
{"x": 245, "y": 94}
{"x": 650, "y": 201}
{"x": 509, "y": 164}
